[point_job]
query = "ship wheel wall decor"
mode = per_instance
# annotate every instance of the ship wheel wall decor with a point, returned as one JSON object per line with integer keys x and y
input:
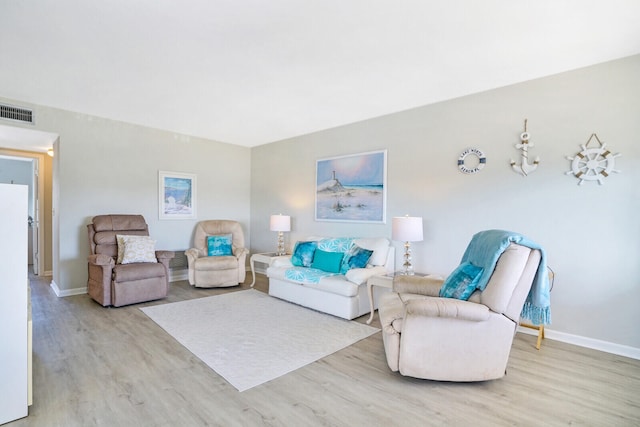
{"x": 593, "y": 164}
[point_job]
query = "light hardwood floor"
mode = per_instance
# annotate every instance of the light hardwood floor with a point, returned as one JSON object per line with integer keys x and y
{"x": 96, "y": 366}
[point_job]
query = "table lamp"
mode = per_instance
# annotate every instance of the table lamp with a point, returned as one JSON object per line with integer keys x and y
{"x": 280, "y": 223}
{"x": 407, "y": 229}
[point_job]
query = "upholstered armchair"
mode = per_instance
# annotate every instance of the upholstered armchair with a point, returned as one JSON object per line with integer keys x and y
{"x": 208, "y": 265}
{"x": 449, "y": 339}
{"x": 119, "y": 276}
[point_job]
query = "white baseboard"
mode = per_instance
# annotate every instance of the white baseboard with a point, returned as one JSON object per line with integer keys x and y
{"x": 607, "y": 347}
{"x": 67, "y": 292}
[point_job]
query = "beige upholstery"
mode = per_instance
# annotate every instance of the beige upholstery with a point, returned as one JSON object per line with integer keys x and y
{"x": 452, "y": 340}
{"x": 217, "y": 271}
{"x": 122, "y": 284}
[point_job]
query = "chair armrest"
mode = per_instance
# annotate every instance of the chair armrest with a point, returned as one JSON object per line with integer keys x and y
{"x": 192, "y": 255}
{"x": 448, "y": 307}
{"x": 165, "y": 255}
{"x": 238, "y": 252}
{"x": 101, "y": 259}
{"x": 422, "y": 285}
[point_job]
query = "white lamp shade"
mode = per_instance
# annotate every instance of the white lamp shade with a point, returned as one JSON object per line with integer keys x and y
{"x": 407, "y": 228}
{"x": 280, "y": 223}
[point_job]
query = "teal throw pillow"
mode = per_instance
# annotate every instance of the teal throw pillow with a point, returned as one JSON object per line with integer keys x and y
{"x": 303, "y": 253}
{"x": 327, "y": 261}
{"x": 462, "y": 282}
{"x": 356, "y": 257}
{"x": 219, "y": 245}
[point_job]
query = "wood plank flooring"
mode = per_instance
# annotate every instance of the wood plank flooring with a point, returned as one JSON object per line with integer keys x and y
{"x": 96, "y": 366}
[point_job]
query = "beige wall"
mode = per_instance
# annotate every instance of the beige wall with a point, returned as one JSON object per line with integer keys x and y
{"x": 105, "y": 166}
{"x": 590, "y": 232}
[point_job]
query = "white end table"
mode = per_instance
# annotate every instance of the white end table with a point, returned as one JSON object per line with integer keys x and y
{"x": 264, "y": 258}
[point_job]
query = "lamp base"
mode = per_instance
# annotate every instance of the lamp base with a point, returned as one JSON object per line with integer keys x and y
{"x": 280, "y": 251}
{"x": 407, "y": 267}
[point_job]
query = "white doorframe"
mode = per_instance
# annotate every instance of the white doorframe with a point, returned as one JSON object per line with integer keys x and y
{"x": 38, "y": 161}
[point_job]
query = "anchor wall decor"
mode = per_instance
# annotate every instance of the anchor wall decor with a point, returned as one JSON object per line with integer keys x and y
{"x": 525, "y": 168}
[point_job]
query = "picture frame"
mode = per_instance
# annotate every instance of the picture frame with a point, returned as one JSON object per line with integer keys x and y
{"x": 352, "y": 188}
{"x": 176, "y": 195}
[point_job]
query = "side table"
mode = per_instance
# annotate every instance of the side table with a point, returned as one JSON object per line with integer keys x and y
{"x": 264, "y": 258}
{"x": 382, "y": 281}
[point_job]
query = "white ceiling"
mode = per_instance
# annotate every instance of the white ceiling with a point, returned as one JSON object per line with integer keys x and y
{"x": 250, "y": 72}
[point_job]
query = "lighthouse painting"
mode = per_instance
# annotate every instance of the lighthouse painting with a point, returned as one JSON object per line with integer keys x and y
{"x": 352, "y": 188}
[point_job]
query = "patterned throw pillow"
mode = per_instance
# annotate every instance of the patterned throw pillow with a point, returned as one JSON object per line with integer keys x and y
{"x": 219, "y": 245}
{"x": 327, "y": 261}
{"x": 120, "y": 240}
{"x": 462, "y": 282}
{"x": 303, "y": 253}
{"x": 356, "y": 257}
{"x": 138, "y": 249}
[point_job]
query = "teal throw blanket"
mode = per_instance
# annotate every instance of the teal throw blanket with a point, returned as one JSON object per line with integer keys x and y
{"x": 484, "y": 250}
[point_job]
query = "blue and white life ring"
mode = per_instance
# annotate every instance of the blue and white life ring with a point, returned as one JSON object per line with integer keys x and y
{"x": 482, "y": 160}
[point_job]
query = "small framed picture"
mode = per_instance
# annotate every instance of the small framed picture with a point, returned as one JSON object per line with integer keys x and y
{"x": 177, "y": 195}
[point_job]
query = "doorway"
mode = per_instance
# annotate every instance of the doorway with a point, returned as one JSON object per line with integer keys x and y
{"x": 24, "y": 160}
{"x": 25, "y": 170}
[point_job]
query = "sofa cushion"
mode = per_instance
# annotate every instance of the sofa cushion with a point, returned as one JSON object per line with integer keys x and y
{"x": 462, "y": 282}
{"x": 303, "y": 253}
{"x": 356, "y": 257}
{"x": 335, "y": 284}
{"x": 305, "y": 274}
{"x": 327, "y": 261}
{"x": 219, "y": 245}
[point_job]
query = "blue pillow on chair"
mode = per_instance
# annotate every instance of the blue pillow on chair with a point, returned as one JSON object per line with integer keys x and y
{"x": 462, "y": 282}
{"x": 219, "y": 245}
{"x": 303, "y": 253}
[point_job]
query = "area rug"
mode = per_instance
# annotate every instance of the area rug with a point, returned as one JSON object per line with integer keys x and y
{"x": 250, "y": 338}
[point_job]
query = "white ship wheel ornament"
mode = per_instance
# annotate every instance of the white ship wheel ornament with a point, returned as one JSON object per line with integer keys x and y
{"x": 593, "y": 164}
{"x": 525, "y": 168}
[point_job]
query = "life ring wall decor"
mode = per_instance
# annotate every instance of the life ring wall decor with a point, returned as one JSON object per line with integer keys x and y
{"x": 474, "y": 152}
{"x": 593, "y": 164}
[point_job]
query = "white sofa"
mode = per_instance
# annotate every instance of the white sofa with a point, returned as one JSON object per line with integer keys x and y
{"x": 342, "y": 295}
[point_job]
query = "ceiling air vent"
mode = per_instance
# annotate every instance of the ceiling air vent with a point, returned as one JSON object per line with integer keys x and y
{"x": 18, "y": 114}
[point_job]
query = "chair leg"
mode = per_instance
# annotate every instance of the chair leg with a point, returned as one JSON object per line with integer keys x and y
{"x": 540, "y": 336}
{"x": 540, "y": 329}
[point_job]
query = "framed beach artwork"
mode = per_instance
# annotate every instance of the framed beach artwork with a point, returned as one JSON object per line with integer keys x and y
{"x": 177, "y": 197}
{"x": 352, "y": 188}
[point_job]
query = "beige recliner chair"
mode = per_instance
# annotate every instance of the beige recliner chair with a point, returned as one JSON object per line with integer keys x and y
{"x": 448, "y": 339}
{"x": 217, "y": 271}
{"x": 117, "y": 284}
